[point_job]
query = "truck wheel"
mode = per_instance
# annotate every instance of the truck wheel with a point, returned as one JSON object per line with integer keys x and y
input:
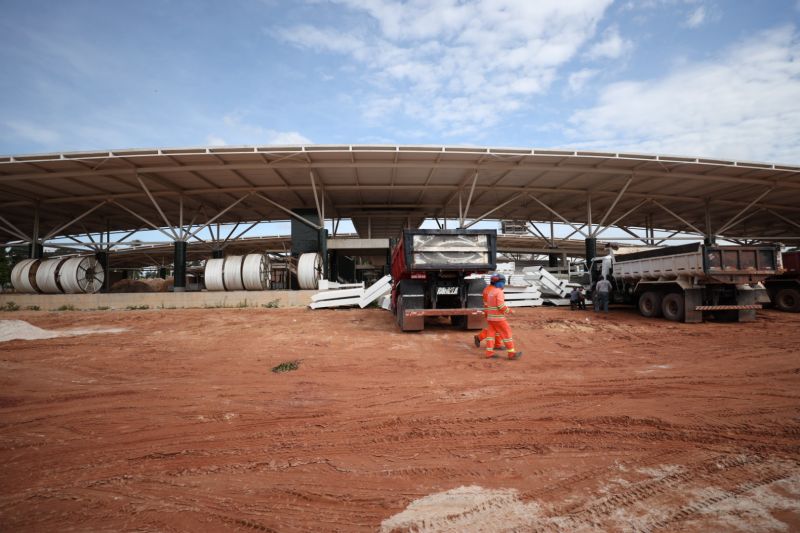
{"x": 650, "y": 304}
{"x": 673, "y": 307}
{"x": 788, "y": 299}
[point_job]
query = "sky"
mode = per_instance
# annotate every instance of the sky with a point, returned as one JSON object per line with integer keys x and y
{"x": 709, "y": 78}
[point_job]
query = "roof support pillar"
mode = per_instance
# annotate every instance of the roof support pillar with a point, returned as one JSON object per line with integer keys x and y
{"x": 589, "y": 214}
{"x": 710, "y": 238}
{"x": 179, "y": 263}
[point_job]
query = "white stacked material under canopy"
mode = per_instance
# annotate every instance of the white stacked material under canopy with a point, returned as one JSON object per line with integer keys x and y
{"x": 237, "y": 272}
{"x": 529, "y": 296}
{"x": 349, "y": 295}
{"x": 550, "y": 285}
{"x": 337, "y": 295}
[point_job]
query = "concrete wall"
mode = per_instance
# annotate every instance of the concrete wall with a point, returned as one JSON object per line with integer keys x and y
{"x": 153, "y": 300}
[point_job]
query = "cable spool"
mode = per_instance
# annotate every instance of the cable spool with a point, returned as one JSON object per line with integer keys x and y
{"x": 309, "y": 269}
{"x": 232, "y": 273}
{"x": 255, "y": 272}
{"x": 81, "y": 275}
{"x": 47, "y": 275}
{"x": 23, "y": 275}
{"x": 213, "y": 274}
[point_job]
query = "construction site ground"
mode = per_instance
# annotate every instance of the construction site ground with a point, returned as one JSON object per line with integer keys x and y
{"x": 173, "y": 420}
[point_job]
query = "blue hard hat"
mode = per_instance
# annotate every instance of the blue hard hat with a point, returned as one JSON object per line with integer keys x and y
{"x": 497, "y": 278}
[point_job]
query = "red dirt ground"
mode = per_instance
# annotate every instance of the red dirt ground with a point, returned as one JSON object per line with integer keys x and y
{"x": 610, "y": 422}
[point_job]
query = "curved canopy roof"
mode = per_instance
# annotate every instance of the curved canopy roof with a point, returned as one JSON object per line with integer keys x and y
{"x": 384, "y": 188}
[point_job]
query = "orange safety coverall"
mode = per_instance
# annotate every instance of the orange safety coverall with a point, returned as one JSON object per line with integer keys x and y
{"x": 496, "y": 311}
{"x": 485, "y": 331}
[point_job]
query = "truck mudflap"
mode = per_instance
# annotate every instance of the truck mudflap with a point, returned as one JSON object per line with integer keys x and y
{"x": 727, "y": 307}
{"x": 472, "y": 318}
{"x": 443, "y": 312}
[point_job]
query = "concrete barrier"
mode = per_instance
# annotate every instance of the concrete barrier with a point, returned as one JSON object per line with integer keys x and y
{"x": 155, "y": 300}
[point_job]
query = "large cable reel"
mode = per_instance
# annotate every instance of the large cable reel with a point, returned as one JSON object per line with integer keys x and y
{"x": 81, "y": 275}
{"x": 236, "y": 272}
{"x": 213, "y": 274}
{"x": 309, "y": 270}
{"x": 47, "y": 275}
{"x": 23, "y": 275}
{"x": 255, "y": 272}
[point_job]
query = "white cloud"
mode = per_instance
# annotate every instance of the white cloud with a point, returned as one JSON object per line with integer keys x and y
{"x": 286, "y": 137}
{"x": 744, "y": 106}
{"x": 696, "y": 17}
{"x": 237, "y": 131}
{"x": 33, "y": 132}
{"x": 213, "y": 140}
{"x": 457, "y": 66}
{"x": 578, "y": 79}
{"x": 612, "y": 46}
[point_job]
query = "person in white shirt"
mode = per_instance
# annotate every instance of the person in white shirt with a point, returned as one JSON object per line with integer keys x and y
{"x": 602, "y": 292}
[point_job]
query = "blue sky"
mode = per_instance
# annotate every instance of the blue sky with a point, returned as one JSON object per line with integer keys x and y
{"x": 713, "y": 78}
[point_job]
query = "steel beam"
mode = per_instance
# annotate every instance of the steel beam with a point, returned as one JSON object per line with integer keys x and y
{"x": 556, "y": 214}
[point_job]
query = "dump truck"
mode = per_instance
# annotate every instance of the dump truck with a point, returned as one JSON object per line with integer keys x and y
{"x": 784, "y": 289}
{"x": 430, "y": 268}
{"x": 684, "y": 283}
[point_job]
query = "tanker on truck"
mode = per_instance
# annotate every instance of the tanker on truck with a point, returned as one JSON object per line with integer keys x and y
{"x": 687, "y": 282}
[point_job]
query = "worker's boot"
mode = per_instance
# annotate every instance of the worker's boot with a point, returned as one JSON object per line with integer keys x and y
{"x": 514, "y": 355}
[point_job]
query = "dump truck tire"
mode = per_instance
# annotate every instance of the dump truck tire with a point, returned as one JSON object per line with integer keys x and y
{"x": 673, "y": 307}
{"x": 650, "y": 304}
{"x": 788, "y": 299}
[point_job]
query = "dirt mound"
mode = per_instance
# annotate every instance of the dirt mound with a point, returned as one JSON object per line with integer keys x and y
{"x": 143, "y": 285}
{"x": 19, "y": 329}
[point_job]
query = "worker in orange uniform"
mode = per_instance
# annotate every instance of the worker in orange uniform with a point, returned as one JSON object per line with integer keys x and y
{"x": 498, "y": 341}
{"x": 497, "y": 310}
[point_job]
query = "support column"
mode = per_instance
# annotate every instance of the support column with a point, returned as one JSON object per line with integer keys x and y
{"x": 102, "y": 258}
{"x": 35, "y": 250}
{"x": 180, "y": 267}
{"x": 162, "y": 272}
{"x": 710, "y": 238}
{"x": 591, "y": 249}
{"x": 323, "y": 251}
{"x": 552, "y": 259}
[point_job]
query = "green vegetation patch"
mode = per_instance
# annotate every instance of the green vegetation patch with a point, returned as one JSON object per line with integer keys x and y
{"x": 287, "y": 366}
{"x": 10, "y": 306}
